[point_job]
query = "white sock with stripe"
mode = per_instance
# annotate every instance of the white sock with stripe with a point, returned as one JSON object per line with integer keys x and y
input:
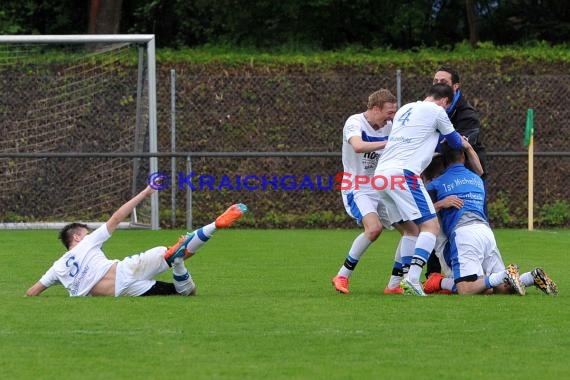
{"x": 182, "y": 279}
{"x": 359, "y": 246}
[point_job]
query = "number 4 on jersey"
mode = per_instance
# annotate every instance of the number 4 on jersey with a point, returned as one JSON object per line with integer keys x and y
{"x": 405, "y": 117}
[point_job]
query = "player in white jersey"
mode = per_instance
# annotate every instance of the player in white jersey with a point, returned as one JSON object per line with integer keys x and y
{"x": 364, "y": 137}
{"x": 84, "y": 270}
{"x": 415, "y": 134}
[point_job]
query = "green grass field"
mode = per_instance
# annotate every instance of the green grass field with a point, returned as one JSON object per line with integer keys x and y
{"x": 266, "y": 310}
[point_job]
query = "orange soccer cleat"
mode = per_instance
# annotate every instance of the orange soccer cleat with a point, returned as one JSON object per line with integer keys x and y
{"x": 233, "y": 213}
{"x": 178, "y": 249}
{"x": 433, "y": 283}
{"x": 340, "y": 283}
{"x": 396, "y": 290}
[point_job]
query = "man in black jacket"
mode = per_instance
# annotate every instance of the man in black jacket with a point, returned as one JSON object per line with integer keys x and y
{"x": 466, "y": 122}
{"x": 462, "y": 114}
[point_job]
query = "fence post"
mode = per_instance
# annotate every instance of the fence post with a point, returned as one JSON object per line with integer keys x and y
{"x": 173, "y": 147}
{"x": 188, "y": 196}
{"x": 399, "y": 87}
{"x": 529, "y": 142}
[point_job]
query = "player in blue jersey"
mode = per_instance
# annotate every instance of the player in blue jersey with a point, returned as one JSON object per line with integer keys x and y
{"x": 472, "y": 254}
{"x": 415, "y": 134}
{"x": 364, "y": 137}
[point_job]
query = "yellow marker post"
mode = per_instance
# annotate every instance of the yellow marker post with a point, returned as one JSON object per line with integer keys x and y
{"x": 529, "y": 143}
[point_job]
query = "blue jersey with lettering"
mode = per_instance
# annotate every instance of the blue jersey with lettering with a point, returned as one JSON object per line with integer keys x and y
{"x": 459, "y": 181}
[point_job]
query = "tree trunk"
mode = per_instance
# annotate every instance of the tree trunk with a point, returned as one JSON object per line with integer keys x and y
{"x": 473, "y": 22}
{"x": 104, "y": 16}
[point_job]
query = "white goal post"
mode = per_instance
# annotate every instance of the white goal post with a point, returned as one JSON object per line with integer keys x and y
{"x": 32, "y": 130}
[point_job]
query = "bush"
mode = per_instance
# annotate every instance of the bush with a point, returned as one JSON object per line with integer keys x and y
{"x": 554, "y": 214}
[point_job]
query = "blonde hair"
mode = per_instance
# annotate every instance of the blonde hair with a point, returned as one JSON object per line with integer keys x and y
{"x": 378, "y": 98}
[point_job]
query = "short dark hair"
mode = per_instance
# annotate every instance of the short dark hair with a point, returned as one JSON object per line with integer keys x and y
{"x": 66, "y": 233}
{"x": 440, "y": 91}
{"x": 434, "y": 169}
{"x": 450, "y": 155}
{"x": 454, "y": 73}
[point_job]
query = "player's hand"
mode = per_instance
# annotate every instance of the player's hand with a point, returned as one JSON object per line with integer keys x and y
{"x": 157, "y": 183}
{"x": 452, "y": 201}
{"x": 465, "y": 142}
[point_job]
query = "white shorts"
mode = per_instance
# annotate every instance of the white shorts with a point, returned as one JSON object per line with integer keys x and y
{"x": 135, "y": 273}
{"x": 474, "y": 252}
{"x": 440, "y": 243}
{"x": 358, "y": 204}
{"x": 404, "y": 196}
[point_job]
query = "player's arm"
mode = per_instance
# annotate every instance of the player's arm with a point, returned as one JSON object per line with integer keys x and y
{"x": 472, "y": 157}
{"x": 445, "y": 128}
{"x": 454, "y": 140}
{"x": 36, "y": 289}
{"x": 448, "y": 202}
{"x": 125, "y": 210}
{"x": 361, "y": 146}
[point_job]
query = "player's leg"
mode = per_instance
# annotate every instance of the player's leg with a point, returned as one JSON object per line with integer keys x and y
{"x": 414, "y": 204}
{"x": 182, "y": 279}
{"x": 538, "y": 277}
{"x": 364, "y": 209}
{"x": 406, "y": 247}
{"x": 189, "y": 244}
{"x": 135, "y": 275}
{"x": 509, "y": 277}
{"x": 469, "y": 248}
{"x": 390, "y": 216}
{"x": 402, "y": 257}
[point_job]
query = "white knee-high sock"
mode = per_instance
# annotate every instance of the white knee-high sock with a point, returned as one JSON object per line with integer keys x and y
{"x": 397, "y": 271}
{"x": 359, "y": 246}
{"x": 182, "y": 279}
{"x": 201, "y": 236}
{"x": 424, "y": 246}
{"x": 407, "y": 251}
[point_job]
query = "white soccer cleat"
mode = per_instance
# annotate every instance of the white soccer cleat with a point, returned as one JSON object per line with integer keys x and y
{"x": 412, "y": 289}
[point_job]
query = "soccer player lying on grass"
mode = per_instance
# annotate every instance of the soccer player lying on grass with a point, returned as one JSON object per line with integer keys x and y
{"x": 472, "y": 253}
{"x": 84, "y": 270}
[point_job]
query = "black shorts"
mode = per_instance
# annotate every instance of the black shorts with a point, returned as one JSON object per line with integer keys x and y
{"x": 161, "y": 288}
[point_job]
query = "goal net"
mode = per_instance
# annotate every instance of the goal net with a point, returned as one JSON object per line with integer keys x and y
{"x": 74, "y": 113}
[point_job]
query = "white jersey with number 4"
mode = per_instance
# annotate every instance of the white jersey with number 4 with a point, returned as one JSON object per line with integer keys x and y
{"x": 414, "y": 136}
{"x": 81, "y": 268}
{"x": 361, "y": 164}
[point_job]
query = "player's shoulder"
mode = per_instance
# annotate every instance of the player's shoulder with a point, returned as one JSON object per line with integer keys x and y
{"x": 356, "y": 118}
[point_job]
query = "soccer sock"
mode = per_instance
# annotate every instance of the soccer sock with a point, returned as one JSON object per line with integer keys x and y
{"x": 407, "y": 251}
{"x": 527, "y": 279}
{"x": 201, "y": 236}
{"x": 182, "y": 280}
{"x": 447, "y": 283}
{"x": 424, "y": 245}
{"x": 495, "y": 279}
{"x": 359, "y": 246}
{"x": 397, "y": 269}
{"x": 396, "y": 277}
